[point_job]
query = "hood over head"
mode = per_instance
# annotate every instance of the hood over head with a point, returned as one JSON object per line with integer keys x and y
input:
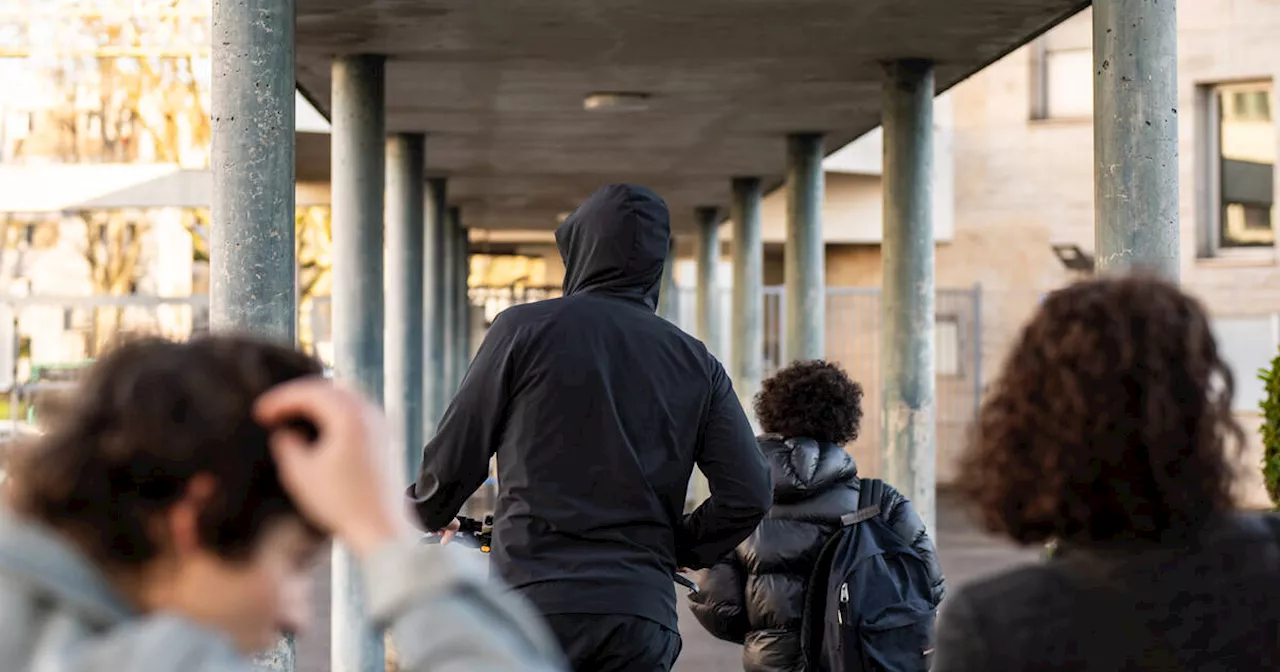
{"x": 804, "y": 467}
{"x": 616, "y": 243}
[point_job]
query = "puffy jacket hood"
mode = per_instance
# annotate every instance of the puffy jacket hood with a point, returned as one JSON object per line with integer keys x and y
{"x": 804, "y": 467}
{"x": 616, "y": 243}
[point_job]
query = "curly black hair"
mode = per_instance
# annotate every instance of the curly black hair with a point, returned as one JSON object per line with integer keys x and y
{"x": 813, "y": 399}
{"x": 1110, "y": 421}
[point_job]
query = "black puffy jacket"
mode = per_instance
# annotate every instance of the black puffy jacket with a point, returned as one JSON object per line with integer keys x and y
{"x": 755, "y": 596}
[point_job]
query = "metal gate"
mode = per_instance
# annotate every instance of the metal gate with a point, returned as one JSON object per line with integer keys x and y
{"x": 853, "y": 340}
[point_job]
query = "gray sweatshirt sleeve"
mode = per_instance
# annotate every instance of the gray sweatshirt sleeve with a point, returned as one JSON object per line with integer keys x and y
{"x": 445, "y": 615}
{"x": 443, "y": 612}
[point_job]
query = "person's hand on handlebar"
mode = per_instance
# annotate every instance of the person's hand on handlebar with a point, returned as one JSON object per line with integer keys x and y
{"x": 446, "y": 535}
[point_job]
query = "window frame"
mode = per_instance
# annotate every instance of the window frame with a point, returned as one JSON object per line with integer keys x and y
{"x": 1042, "y": 85}
{"x": 1208, "y": 147}
{"x": 952, "y": 320}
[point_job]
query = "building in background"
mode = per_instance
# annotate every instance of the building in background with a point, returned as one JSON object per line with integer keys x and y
{"x": 1021, "y": 194}
{"x": 104, "y": 162}
{"x": 1014, "y": 212}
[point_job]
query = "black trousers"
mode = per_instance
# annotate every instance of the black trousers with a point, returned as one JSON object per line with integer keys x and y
{"x": 601, "y": 643}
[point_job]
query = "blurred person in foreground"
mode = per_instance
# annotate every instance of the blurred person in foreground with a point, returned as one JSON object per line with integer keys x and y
{"x": 170, "y": 518}
{"x": 1110, "y": 430}
{"x": 598, "y": 410}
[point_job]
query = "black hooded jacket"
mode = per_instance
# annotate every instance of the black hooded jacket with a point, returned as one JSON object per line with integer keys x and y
{"x": 755, "y": 596}
{"x": 598, "y": 410}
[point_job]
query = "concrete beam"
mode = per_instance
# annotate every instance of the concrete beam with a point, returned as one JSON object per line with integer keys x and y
{"x": 405, "y": 227}
{"x": 907, "y": 299}
{"x": 252, "y": 255}
{"x": 707, "y": 317}
{"x": 804, "y": 254}
{"x": 748, "y": 290}
{"x": 359, "y": 174}
{"x": 669, "y": 295}
{"x": 450, "y": 317}
{"x": 462, "y": 311}
{"x": 435, "y": 311}
{"x": 1135, "y": 136}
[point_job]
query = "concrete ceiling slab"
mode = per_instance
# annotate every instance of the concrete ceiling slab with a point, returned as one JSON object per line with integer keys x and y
{"x": 498, "y": 86}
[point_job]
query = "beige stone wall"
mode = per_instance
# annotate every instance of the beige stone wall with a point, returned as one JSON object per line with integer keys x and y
{"x": 1022, "y": 185}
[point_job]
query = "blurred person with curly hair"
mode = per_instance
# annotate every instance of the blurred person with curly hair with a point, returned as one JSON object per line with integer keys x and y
{"x": 1110, "y": 432}
{"x": 809, "y": 412}
{"x": 171, "y": 516}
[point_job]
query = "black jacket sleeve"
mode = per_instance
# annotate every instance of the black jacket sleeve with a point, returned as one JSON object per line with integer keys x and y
{"x": 721, "y": 603}
{"x": 738, "y": 476}
{"x": 904, "y": 520}
{"x": 961, "y": 641}
{"x": 456, "y": 461}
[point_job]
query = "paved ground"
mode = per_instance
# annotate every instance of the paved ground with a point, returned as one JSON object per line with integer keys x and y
{"x": 966, "y": 554}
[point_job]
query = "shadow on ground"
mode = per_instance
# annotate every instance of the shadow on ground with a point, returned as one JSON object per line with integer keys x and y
{"x": 966, "y": 554}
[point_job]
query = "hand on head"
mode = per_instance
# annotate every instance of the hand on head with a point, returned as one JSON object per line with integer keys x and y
{"x": 338, "y": 481}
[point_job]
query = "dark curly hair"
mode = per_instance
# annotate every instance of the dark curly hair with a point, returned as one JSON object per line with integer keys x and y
{"x": 1110, "y": 421}
{"x": 813, "y": 399}
{"x": 148, "y": 418}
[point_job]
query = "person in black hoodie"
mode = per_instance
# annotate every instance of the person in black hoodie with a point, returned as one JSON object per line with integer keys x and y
{"x": 598, "y": 410}
{"x": 755, "y": 595}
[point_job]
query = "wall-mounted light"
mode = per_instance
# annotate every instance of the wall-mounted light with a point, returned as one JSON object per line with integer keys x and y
{"x": 616, "y": 101}
{"x": 1072, "y": 257}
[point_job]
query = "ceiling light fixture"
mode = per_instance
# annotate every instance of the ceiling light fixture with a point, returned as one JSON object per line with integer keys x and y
{"x": 617, "y": 101}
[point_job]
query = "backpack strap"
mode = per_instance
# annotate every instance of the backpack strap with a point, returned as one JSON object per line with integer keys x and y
{"x": 863, "y": 514}
{"x": 870, "y": 495}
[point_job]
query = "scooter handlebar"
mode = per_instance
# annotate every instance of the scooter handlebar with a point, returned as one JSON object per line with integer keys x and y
{"x": 478, "y": 534}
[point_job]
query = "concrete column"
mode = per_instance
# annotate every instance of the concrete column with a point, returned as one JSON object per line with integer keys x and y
{"x": 252, "y": 255}
{"x": 1135, "y": 136}
{"x": 906, "y": 304}
{"x": 449, "y": 321}
{"x": 434, "y": 311}
{"x": 359, "y": 165}
{"x": 805, "y": 254}
{"x": 669, "y": 295}
{"x": 707, "y": 319}
{"x": 748, "y": 290}
{"x": 462, "y": 310}
{"x": 405, "y": 226}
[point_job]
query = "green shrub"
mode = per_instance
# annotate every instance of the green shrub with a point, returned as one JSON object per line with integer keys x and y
{"x": 1271, "y": 429}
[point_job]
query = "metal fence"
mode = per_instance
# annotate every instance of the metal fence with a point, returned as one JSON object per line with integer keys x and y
{"x": 853, "y": 340}
{"x": 45, "y": 340}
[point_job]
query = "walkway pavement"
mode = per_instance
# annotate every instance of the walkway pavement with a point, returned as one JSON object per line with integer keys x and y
{"x": 966, "y": 554}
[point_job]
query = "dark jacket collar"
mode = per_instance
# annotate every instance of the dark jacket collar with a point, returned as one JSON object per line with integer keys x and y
{"x": 804, "y": 467}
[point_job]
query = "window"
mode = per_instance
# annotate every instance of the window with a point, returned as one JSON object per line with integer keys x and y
{"x": 1062, "y": 70}
{"x": 946, "y": 346}
{"x": 1248, "y": 345}
{"x": 1240, "y": 146}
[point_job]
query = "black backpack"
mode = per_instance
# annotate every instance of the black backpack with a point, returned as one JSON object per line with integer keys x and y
{"x": 869, "y": 604}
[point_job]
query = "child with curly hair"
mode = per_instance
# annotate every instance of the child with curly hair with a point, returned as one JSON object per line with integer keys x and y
{"x": 809, "y": 411}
